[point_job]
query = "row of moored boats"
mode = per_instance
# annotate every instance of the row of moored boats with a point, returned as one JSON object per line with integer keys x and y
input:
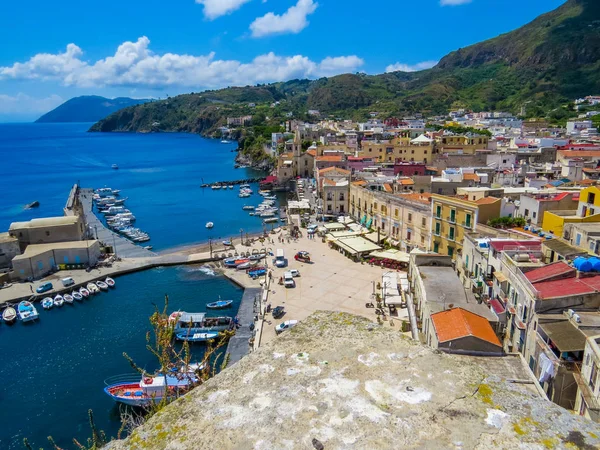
{"x": 117, "y": 216}
{"x": 27, "y": 312}
{"x": 265, "y": 210}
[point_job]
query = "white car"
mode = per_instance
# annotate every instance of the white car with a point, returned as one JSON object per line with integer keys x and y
{"x": 285, "y": 326}
{"x": 294, "y": 272}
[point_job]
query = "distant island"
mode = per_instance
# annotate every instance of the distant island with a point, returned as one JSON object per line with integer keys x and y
{"x": 88, "y": 108}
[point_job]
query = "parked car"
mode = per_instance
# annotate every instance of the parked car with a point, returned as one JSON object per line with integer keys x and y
{"x": 277, "y": 312}
{"x": 288, "y": 280}
{"x": 45, "y": 287}
{"x": 295, "y": 272}
{"x": 302, "y": 256}
{"x": 285, "y": 326}
{"x": 68, "y": 281}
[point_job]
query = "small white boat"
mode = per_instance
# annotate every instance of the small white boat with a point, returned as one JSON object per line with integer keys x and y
{"x": 84, "y": 292}
{"x": 230, "y": 187}
{"x": 215, "y": 186}
{"x": 9, "y": 315}
{"x": 27, "y": 311}
{"x": 114, "y": 166}
{"x": 210, "y": 225}
{"x": 110, "y": 282}
{"x": 92, "y": 288}
{"x": 102, "y": 285}
{"x": 59, "y": 300}
{"x": 68, "y": 298}
{"x": 77, "y": 295}
{"x": 225, "y": 141}
{"x": 47, "y": 303}
{"x": 248, "y": 208}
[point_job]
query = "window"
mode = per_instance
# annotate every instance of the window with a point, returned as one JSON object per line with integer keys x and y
{"x": 341, "y": 208}
{"x": 409, "y": 217}
{"x": 396, "y": 212}
{"x": 422, "y": 240}
{"x": 436, "y": 247}
{"x": 593, "y": 375}
{"x": 375, "y": 206}
{"x": 591, "y": 198}
{"x": 468, "y": 220}
{"x": 453, "y": 215}
{"x": 438, "y": 228}
{"x": 526, "y": 212}
{"x": 451, "y": 233}
{"x": 341, "y": 196}
{"x": 47, "y": 233}
{"x": 438, "y": 211}
{"x": 328, "y": 206}
{"x": 450, "y": 251}
{"x": 329, "y": 196}
{"x": 534, "y": 215}
{"x": 578, "y": 239}
{"x": 408, "y": 235}
{"x": 423, "y": 221}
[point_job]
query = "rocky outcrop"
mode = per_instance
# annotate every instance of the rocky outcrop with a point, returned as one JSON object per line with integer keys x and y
{"x": 339, "y": 381}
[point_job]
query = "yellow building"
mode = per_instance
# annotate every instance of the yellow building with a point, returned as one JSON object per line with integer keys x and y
{"x": 466, "y": 144}
{"x": 455, "y": 216}
{"x": 404, "y": 149}
{"x": 588, "y": 211}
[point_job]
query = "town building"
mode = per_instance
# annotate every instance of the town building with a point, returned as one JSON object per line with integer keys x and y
{"x": 533, "y": 206}
{"x": 48, "y": 230}
{"x": 587, "y": 402}
{"x": 238, "y": 121}
{"x": 9, "y": 248}
{"x": 462, "y": 144}
{"x": 420, "y": 149}
{"x": 588, "y": 211}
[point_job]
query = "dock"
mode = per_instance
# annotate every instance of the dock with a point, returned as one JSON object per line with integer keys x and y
{"x": 239, "y": 345}
{"x": 124, "y": 248}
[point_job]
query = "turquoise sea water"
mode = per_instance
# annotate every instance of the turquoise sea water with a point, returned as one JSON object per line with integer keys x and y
{"x": 52, "y": 372}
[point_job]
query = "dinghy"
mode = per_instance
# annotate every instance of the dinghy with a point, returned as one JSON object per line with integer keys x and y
{"x": 27, "y": 311}
{"x": 47, "y": 303}
{"x": 68, "y": 298}
{"x": 59, "y": 300}
{"x": 9, "y": 315}
{"x": 84, "y": 292}
{"x": 197, "y": 337}
{"x": 92, "y": 288}
{"x": 221, "y": 304}
{"x": 102, "y": 285}
{"x": 77, "y": 295}
{"x": 110, "y": 282}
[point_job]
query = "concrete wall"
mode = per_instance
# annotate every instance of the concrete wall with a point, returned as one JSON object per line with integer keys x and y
{"x": 49, "y": 234}
{"x": 9, "y": 248}
{"x": 470, "y": 345}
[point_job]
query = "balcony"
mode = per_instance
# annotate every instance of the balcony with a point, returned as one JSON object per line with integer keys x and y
{"x": 437, "y": 216}
{"x": 451, "y": 219}
{"x": 467, "y": 225}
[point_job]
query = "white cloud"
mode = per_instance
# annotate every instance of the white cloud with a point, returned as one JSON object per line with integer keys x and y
{"x": 400, "y": 67}
{"x": 135, "y": 65}
{"x": 218, "y": 8}
{"x": 22, "y": 104}
{"x": 454, "y": 2}
{"x": 292, "y": 21}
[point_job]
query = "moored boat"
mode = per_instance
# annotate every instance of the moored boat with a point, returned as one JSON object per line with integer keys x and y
{"x": 199, "y": 323}
{"x": 227, "y": 243}
{"x": 9, "y": 315}
{"x": 257, "y": 257}
{"x": 47, "y": 303}
{"x": 77, "y": 295}
{"x": 234, "y": 262}
{"x": 102, "y": 285}
{"x": 220, "y": 304}
{"x": 27, "y": 312}
{"x": 246, "y": 265}
{"x": 68, "y": 298}
{"x": 197, "y": 337}
{"x": 84, "y": 292}
{"x": 110, "y": 282}
{"x": 59, "y": 300}
{"x": 92, "y": 288}
{"x": 248, "y": 208}
{"x": 209, "y": 224}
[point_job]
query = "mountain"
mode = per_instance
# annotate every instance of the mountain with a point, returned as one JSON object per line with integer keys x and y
{"x": 537, "y": 68}
{"x": 87, "y": 108}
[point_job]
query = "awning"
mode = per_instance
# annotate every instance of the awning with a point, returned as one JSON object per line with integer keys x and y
{"x": 369, "y": 222}
{"x": 363, "y": 220}
{"x": 566, "y": 336}
{"x": 373, "y": 237}
{"x": 500, "y": 276}
{"x": 395, "y": 255}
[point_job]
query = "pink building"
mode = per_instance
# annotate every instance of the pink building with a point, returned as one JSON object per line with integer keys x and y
{"x": 408, "y": 169}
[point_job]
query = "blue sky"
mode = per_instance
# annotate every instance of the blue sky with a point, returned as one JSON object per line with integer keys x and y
{"x": 53, "y": 51}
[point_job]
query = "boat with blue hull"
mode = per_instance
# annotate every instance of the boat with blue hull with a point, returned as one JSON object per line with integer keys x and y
{"x": 199, "y": 323}
{"x": 221, "y": 304}
{"x": 27, "y": 312}
{"x": 197, "y": 337}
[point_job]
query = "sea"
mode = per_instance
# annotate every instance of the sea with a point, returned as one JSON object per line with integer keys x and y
{"x": 53, "y": 371}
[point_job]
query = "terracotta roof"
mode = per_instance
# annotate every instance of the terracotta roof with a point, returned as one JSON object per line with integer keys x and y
{"x": 387, "y": 187}
{"x": 330, "y": 169}
{"x": 458, "y": 323}
{"x": 312, "y": 152}
{"x": 416, "y": 197}
{"x": 550, "y": 271}
{"x": 330, "y": 158}
{"x": 359, "y": 183}
{"x": 286, "y": 155}
{"x": 487, "y": 200}
{"x": 329, "y": 182}
{"x": 406, "y": 181}
{"x": 471, "y": 177}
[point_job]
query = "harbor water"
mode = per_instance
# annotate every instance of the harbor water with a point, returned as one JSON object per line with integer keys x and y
{"x": 52, "y": 371}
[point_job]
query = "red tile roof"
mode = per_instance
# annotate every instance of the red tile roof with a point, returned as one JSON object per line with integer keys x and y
{"x": 487, "y": 200}
{"x": 330, "y": 158}
{"x": 497, "y": 306}
{"x": 471, "y": 177}
{"x": 416, "y": 197}
{"x": 312, "y": 152}
{"x": 330, "y": 169}
{"x": 500, "y": 245}
{"x": 549, "y": 272}
{"x": 387, "y": 187}
{"x": 458, "y": 323}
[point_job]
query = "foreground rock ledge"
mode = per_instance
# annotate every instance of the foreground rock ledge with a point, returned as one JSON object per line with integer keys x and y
{"x": 348, "y": 383}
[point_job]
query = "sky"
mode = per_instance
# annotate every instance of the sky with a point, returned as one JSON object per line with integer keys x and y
{"x": 53, "y": 51}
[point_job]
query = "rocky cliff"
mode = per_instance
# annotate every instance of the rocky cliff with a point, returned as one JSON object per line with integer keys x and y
{"x": 339, "y": 381}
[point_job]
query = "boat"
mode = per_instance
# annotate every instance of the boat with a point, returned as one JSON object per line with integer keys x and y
{"x": 133, "y": 391}
{"x": 227, "y": 243}
{"x": 102, "y": 285}
{"x": 197, "y": 337}
{"x": 9, "y": 315}
{"x": 110, "y": 282}
{"x": 114, "y": 166}
{"x": 248, "y": 208}
{"x": 68, "y": 298}
{"x": 215, "y": 186}
{"x": 27, "y": 312}
{"x": 233, "y": 262}
{"x": 221, "y": 304}
{"x": 256, "y": 257}
{"x": 246, "y": 265}
{"x": 199, "y": 323}
{"x": 47, "y": 303}
{"x": 271, "y": 220}
{"x": 243, "y": 195}
{"x": 225, "y": 141}
{"x": 84, "y": 292}
{"x": 59, "y": 300}
{"x": 148, "y": 247}
{"x": 230, "y": 186}
{"x": 92, "y": 288}
{"x": 210, "y": 225}
{"x": 77, "y": 295}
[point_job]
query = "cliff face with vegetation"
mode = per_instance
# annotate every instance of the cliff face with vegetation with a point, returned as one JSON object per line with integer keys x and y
{"x": 339, "y": 381}
{"x": 87, "y": 108}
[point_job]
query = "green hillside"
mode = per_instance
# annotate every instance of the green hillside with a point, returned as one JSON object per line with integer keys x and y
{"x": 87, "y": 108}
{"x": 539, "y": 66}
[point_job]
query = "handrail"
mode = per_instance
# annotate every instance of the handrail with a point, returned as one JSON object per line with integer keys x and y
{"x": 123, "y": 378}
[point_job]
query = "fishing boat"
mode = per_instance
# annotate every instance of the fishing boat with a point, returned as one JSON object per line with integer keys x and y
{"x": 210, "y": 225}
{"x": 102, "y": 285}
{"x": 133, "y": 391}
{"x": 110, "y": 282}
{"x": 199, "y": 323}
{"x": 197, "y": 337}
{"x": 246, "y": 265}
{"x": 92, "y": 288}
{"x": 256, "y": 257}
{"x": 227, "y": 243}
{"x": 257, "y": 272}
{"x": 233, "y": 262}
{"x": 68, "y": 298}
{"x": 47, "y": 303}
{"x": 59, "y": 300}
{"x": 77, "y": 295}
{"x": 27, "y": 312}
{"x": 84, "y": 292}
{"x": 9, "y": 315}
{"x": 220, "y": 304}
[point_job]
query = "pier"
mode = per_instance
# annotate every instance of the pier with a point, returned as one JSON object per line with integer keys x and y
{"x": 239, "y": 345}
{"x": 233, "y": 183}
